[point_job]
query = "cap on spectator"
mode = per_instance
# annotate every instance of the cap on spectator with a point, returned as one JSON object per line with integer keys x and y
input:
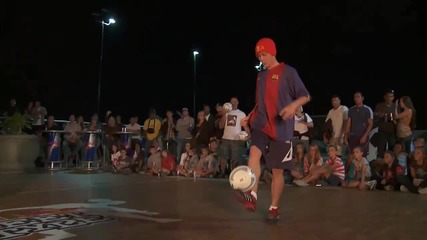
{"x": 185, "y": 109}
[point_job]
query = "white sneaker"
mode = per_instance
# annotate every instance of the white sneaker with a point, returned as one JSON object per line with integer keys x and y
{"x": 372, "y": 184}
{"x": 388, "y": 188}
{"x": 301, "y": 183}
{"x": 422, "y": 190}
{"x": 403, "y": 189}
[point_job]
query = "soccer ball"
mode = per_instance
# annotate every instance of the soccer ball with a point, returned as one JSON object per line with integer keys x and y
{"x": 227, "y": 107}
{"x": 242, "y": 178}
{"x": 243, "y": 136}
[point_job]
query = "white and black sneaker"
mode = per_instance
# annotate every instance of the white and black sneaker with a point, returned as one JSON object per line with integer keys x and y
{"x": 372, "y": 184}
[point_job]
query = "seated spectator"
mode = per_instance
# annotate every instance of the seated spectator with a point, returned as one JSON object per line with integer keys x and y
{"x": 297, "y": 171}
{"x": 418, "y": 142}
{"x": 213, "y": 148}
{"x": 185, "y": 154}
{"x": 137, "y": 157}
{"x": 72, "y": 144}
{"x": 387, "y": 179}
{"x": 154, "y": 161}
{"x": 44, "y": 136}
{"x": 188, "y": 164}
{"x": 213, "y": 151}
{"x": 312, "y": 159}
{"x": 115, "y": 154}
{"x": 122, "y": 165}
{"x": 168, "y": 163}
{"x": 359, "y": 172}
{"x": 416, "y": 181}
{"x": 333, "y": 171}
{"x": 401, "y": 155}
{"x": 207, "y": 166}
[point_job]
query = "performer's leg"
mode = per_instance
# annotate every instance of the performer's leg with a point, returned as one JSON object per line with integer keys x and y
{"x": 279, "y": 158}
{"x": 259, "y": 143}
{"x": 255, "y": 164}
{"x": 277, "y": 186}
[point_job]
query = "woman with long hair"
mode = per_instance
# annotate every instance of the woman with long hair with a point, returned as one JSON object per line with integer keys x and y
{"x": 405, "y": 121}
{"x": 416, "y": 182}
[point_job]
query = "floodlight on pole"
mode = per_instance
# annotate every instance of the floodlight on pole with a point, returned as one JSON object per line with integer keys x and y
{"x": 110, "y": 21}
{"x": 195, "y": 53}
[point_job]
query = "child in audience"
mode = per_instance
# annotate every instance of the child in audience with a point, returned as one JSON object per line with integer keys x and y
{"x": 137, "y": 157}
{"x": 154, "y": 161}
{"x": 418, "y": 143}
{"x": 359, "y": 172}
{"x": 333, "y": 171}
{"x": 168, "y": 163}
{"x": 402, "y": 156}
{"x": 312, "y": 160}
{"x": 115, "y": 155}
{"x": 207, "y": 165}
{"x": 297, "y": 171}
{"x": 416, "y": 181}
{"x": 389, "y": 173}
{"x": 189, "y": 163}
{"x": 123, "y": 163}
{"x": 185, "y": 154}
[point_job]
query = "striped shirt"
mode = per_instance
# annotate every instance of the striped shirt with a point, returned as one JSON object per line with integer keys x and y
{"x": 340, "y": 170}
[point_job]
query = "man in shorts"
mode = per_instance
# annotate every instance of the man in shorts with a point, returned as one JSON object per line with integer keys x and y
{"x": 279, "y": 93}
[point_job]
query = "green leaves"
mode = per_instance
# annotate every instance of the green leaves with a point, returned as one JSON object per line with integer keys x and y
{"x": 14, "y": 125}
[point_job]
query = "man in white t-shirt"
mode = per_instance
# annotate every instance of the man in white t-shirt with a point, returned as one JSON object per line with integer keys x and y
{"x": 232, "y": 148}
{"x": 303, "y": 123}
{"x": 38, "y": 114}
{"x": 337, "y": 117}
{"x": 133, "y": 126}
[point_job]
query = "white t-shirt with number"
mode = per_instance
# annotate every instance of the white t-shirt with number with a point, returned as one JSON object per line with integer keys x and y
{"x": 232, "y": 127}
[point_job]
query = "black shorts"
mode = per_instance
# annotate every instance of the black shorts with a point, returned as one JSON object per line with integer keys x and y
{"x": 333, "y": 180}
{"x": 277, "y": 154}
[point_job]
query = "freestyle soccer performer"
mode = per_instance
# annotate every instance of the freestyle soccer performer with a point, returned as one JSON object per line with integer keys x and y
{"x": 279, "y": 93}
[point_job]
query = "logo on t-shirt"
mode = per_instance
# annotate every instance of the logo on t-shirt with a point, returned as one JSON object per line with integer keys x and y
{"x": 231, "y": 120}
{"x": 275, "y": 77}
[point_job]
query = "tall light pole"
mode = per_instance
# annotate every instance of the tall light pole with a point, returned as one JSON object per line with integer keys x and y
{"x": 110, "y": 21}
{"x": 195, "y": 53}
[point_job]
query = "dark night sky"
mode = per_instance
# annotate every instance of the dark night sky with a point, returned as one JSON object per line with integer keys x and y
{"x": 51, "y": 52}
